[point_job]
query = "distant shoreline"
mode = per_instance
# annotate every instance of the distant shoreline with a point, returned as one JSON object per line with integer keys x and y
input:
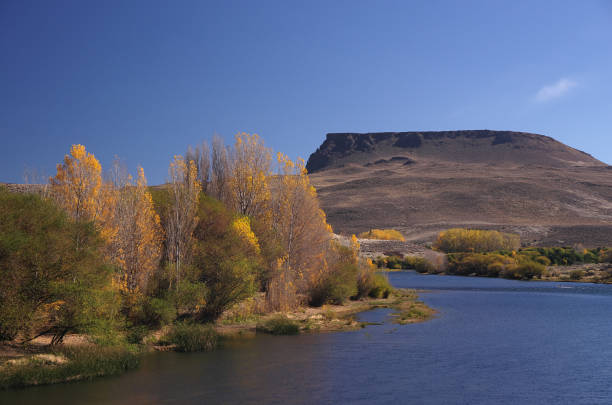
{"x": 556, "y": 279}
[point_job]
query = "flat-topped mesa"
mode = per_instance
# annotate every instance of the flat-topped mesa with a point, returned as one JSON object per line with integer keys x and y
{"x": 467, "y": 146}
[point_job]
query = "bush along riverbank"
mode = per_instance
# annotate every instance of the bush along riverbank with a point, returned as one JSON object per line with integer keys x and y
{"x": 76, "y": 359}
{"x": 465, "y": 252}
{"x": 65, "y": 364}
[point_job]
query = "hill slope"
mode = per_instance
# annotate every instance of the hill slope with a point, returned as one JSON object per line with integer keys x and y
{"x": 422, "y": 182}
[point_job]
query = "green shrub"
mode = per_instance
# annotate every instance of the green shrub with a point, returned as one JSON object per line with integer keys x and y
{"x": 495, "y": 269}
{"x": 48, "y": 281}
{"x": 562, "y": 256}
{"x": 494, "y": 265}
{"x": 559, "y": 256}
{"x": 226, "y": 262}
{"x": 480, "y": 264}
{"x": 543, "y": 260}
{"x": 394, "y": 264}
{"x": 373, "y": 285}
{"x": 152, "y": 312}
{"x": 192, "y": 337}
{"x": 381, "y": 289}
{"x": 576, "y": 274}
{"x": 531, "y": 270}
{"x": 340, "y": 281}
{"x": 605, "y": 256}
{"x": 419, "y": 264}
{"x": 525, "y": 271}
{"x": 590, "y": 257}
{"x": 136, "y": 334}
{"x": 335, "y": 287}
{"x": 189, "y": 296}
{"x": 280, "y": 325}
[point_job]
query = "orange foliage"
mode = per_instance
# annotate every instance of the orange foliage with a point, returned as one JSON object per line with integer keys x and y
{"x": 78, "y": 188}
{"x": 383, "y": 234}
{"x": 301, "y": 228}
{"x": 137, "y": 245}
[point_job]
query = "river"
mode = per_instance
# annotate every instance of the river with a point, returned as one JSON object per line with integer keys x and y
{"x": 493, "y": 341}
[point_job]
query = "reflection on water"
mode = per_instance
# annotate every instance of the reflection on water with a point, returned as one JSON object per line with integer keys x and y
{"x": 494, "y": 341}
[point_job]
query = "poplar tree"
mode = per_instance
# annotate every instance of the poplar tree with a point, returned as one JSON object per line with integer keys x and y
{"x": 137, "y": 245}
{"x": 250, "y": 193}
{"x": 302, "y": 231}
{"x": 78, "y": 189}
{"x": 182, "y": 219}
{"x": 220, "y": 170}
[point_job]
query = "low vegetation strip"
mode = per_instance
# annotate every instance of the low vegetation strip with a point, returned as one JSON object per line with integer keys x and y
{"x": 279, "y": 325}
{"x": 67, "y": 364}
{"x": 475, "y": 240}
{"x": 554, "y": 264}
{"x": 472, "y": 252}
{"x": 382, "y": 234}
{"x": 191, "y": 337}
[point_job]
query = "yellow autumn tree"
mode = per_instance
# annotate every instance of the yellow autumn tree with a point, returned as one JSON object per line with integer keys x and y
{"x": 137, "y": 244}
{"x": 249, "y": 189}
{"x": 182, "y": 219}
{"x": 78, "y": 188}
{"x": 355, "y": 246}
{"x": 476, "y": 240}
{"x": 242, "y": 227}
{"x": 302, "y": 230}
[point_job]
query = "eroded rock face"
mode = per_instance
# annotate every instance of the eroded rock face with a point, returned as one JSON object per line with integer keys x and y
{"x": 461, "y": 146}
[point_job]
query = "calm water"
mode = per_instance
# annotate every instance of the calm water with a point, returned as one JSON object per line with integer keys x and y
{"x": 494, "y": 341}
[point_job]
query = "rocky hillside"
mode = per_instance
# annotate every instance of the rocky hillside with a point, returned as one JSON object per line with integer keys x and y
{"x": 452, "y": 146}
{"x": 422, "y": 182}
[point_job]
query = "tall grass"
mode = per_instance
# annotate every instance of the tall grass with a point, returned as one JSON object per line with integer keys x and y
{"x": 72, "y": 364}
{"x": 280, "y": 325}
{"x": 192, "y": 337}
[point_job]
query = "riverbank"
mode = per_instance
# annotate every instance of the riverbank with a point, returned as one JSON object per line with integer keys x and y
{"x": 36, "y": 363}
{"x": 594, "y": 273}
{"x": 486, "y": 329}
{"x": 33, "y": 366}
{"x": 599, "y": 273}
{"x": 337, "y": 318}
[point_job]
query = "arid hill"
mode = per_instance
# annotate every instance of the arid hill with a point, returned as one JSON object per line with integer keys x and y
{"x": 423, "y": 182}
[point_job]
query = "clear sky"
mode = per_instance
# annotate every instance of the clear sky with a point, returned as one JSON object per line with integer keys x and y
{"x": 144, "y": 79}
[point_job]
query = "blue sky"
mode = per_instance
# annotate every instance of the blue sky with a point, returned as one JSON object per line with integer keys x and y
{"x": 144, "y": 79}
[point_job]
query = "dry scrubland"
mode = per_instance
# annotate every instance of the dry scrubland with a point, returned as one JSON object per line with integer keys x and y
{"x": 421, "y": 183}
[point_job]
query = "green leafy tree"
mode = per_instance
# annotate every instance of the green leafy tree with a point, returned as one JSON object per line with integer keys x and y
{"x": 226, "y": 257}
{"x": 47, "y": 284}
